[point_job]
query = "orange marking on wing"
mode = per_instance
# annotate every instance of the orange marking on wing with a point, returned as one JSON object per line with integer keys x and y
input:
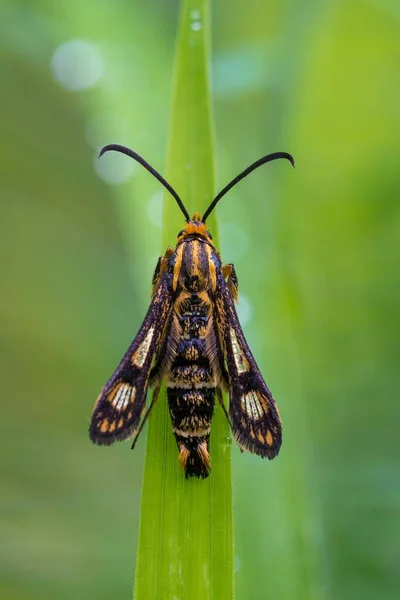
{"x": 260, "y": 437}
{"x": 163, "y": 268}
{"x": 112, "y": 427}
{"x": 111, "y": 395}
{"x": 211, "y": 267}
{"x": 177, "y": 266}
{"x": 104, "y": 426}
{"x": 269, "y": 438}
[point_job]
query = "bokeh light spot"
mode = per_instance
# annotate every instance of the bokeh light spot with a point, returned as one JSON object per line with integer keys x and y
{"x": 244, "y": 309}
{"x": 114, "y": 168}
{"x": 154, "y": 209}
{"x": 105, "y": 128}
{"x": 234, "y": 241}
{"x": 77, "y": 65}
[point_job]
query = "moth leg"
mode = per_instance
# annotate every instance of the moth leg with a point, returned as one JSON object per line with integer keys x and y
{"x": 229, "y": 274}
{"x": 221, "y": 401}
{"x": 146, "y": 416}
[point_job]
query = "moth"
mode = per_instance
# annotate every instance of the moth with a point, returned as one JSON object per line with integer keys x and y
{"x": 192, "y": 340}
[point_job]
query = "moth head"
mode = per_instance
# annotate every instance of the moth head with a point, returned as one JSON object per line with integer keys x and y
{"x": 196, "y": 224}
{"x": 195, "y": 227}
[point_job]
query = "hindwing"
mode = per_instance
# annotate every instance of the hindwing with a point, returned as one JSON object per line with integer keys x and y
{"x": 121, "y": 402}
{"x": 254, "y": 416}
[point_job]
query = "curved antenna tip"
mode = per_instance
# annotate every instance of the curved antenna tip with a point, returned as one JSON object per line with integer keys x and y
{"x": 286, "y": 155}
{"x": 107, "y": 148}
{"x": 261, "y": 161}
{"x": 291, "y": 159}
{"x": 150, "y": 169}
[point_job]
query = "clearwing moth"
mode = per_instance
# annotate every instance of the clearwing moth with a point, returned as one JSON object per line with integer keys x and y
{"x": 192, "y": 339}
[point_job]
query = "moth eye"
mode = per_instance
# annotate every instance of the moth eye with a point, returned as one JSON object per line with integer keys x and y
{"x": 182, "y": 231}
{"x": 209, "y": 235}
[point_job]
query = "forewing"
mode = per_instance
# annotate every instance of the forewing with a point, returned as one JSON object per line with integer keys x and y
{"x": 121, "y": 402}
{"x": 254, "y": 416}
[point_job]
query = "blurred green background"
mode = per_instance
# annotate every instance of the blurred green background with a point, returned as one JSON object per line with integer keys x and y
{"x": 316, "y": 251}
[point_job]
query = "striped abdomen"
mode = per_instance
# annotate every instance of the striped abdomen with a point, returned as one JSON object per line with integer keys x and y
{"x": 191, "y": 388}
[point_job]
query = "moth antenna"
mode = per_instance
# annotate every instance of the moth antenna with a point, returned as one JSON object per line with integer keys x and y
{"x": 243, "y": 174}
{"x": 145, "y": 164}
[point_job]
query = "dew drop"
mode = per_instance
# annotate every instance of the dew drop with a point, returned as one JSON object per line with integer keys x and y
{"x": 196, "y": 26}
{"x": 238, "y": 563}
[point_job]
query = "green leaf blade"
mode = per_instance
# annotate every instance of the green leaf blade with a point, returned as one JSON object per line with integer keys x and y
{"x": 186, "y": 532}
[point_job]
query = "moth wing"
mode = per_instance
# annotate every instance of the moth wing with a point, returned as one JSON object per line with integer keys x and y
{"x": 121, "y": 402}
{"x": 254, "y": 415}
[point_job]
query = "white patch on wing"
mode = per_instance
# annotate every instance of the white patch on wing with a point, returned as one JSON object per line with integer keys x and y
{"x": 252, "y": 406}
{"x": 241, "y": 362}
{"x": 141, "y": 353}
{"x": 124, "y": 394}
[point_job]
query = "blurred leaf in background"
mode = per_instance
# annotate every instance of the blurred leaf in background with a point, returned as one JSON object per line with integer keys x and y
{"x": 316, "y": 251}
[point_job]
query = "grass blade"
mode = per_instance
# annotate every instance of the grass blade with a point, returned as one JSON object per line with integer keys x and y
{"x": 186, "y": 529}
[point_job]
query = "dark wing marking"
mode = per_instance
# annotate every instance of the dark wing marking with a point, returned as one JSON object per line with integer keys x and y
{"x": 121, "y": 402}
{"x": 256, "y": 424}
